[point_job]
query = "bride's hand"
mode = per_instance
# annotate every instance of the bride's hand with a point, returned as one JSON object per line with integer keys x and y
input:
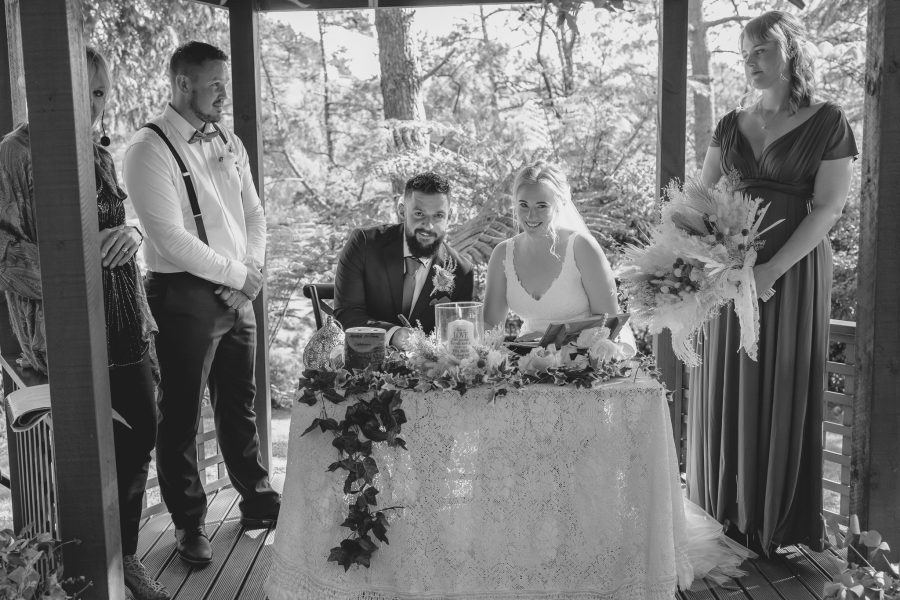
{"x": 530, "y": 337}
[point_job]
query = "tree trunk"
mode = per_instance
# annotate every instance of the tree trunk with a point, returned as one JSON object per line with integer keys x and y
{"x": 703, "y": 95}
{"x": 326, "y": 94}
{"x": 487, "y": 47}
{"x": 401, "y": 79}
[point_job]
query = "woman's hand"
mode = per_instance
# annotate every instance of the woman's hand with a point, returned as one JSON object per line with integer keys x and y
{"x": 118, "y": 245}
{"x": 765, "y": 277}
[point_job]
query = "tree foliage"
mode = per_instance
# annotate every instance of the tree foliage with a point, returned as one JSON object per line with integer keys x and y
{"x": 571, "y": 81}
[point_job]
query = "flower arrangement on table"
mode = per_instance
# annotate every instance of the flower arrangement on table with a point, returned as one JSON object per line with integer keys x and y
{"x": 698, "y": 258}
{"x": 20, "y": 578}
{"x": 374, "y": 411}
{"x": 867, "y": 573}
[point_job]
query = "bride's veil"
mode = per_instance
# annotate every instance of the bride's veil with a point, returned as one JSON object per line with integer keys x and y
{"x": 569, "y": 218}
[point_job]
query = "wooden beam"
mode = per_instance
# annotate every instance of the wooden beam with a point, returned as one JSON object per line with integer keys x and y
{"x": 298, "y": 5}
{"x": 875, "y": 465}
{"x": 245, "y": 72}
{"x": 670, "y": 162}
{"x": 66, "y": 206}
{"x": 12, "y": 78}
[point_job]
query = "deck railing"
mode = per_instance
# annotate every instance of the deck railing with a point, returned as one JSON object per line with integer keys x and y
{"x": 33, "y": 478}
{"x": 838, "y": 419}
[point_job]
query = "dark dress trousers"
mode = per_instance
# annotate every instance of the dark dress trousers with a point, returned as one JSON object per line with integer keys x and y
{"x": 202, "y": 342}
{"x": 368, "y": 284}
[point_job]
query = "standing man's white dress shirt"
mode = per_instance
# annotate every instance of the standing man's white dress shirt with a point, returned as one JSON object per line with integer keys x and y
{"x": 232, "y": 213}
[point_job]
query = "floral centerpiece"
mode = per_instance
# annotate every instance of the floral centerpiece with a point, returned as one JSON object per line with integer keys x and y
{"x": 699, "y": 258}
{"x": 867, "y": 573}
{"x": 374, "y": 413}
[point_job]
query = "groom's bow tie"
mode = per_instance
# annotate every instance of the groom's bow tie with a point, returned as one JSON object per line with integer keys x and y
{"x": 200, "y": 136}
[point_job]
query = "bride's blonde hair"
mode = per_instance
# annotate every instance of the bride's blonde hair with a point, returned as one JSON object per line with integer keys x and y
{"x": 551, "y": 176}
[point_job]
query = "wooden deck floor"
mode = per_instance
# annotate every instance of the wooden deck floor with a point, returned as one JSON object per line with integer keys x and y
{"x": 241, "y": 561}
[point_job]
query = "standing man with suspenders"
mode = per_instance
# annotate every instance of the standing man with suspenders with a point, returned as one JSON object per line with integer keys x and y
{"x": 192, "y": 189}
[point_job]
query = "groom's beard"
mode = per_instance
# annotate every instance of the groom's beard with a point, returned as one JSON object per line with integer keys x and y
{"x": 420, "y": 250}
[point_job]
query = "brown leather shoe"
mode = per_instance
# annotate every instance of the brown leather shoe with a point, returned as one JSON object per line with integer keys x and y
{"x": 193, "y": 546}
{"x": 139, "y": 583}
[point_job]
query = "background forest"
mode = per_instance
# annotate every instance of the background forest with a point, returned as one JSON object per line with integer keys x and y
{"x": 356, "y": 101}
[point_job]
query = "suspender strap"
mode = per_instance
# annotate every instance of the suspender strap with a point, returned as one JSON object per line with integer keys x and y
{"x": 188, "y": 183}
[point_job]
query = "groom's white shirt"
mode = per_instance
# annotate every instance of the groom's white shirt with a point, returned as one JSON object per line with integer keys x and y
{"x": 421, "y": 276}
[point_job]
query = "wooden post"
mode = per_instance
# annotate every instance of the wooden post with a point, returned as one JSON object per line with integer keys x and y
{"x": 670, "y": 162}
{"x": 875, "y": 463}
{"x": 7, "y": 37}
{"x": 243, "y": 16}
{"x": 66, "y": 206}
{"x": 12, "y": 82}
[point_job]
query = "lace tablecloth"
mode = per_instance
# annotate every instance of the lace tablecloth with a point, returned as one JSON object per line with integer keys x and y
{"x": 550, "y": 492}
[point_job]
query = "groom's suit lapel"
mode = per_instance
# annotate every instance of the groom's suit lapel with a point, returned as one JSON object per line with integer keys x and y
{"x": 392, "y": 255}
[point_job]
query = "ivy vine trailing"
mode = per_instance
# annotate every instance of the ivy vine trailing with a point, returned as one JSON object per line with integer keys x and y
{"x": 378, "y": 419}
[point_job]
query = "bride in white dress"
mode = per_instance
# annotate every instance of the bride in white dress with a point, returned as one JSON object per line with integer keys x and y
{"x": 539, "y": 273}
{"x": 554, "y": 271}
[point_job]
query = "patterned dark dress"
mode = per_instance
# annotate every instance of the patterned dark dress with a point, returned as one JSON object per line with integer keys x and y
{"x": 755, "y": 428}
{"x": 129, "y": 324}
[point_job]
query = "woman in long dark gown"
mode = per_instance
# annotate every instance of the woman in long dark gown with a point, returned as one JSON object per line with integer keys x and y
{"x": 755, "y": 428}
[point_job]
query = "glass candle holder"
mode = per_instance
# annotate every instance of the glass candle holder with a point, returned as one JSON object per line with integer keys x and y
{"x": 459, "y": 326}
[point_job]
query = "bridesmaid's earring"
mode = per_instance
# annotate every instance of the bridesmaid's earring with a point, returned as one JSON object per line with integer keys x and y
{"x": 783, "y": 77}
{"x": 104, "y": 139}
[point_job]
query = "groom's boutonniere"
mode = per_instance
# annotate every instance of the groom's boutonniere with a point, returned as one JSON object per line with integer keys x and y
{"x": 443, "y": 279}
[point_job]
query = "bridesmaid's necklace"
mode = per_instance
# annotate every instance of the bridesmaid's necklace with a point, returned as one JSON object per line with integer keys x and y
{"x": 767, "y": 122}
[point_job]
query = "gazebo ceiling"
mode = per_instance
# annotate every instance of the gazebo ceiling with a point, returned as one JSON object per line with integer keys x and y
{"x": 293, "y": 5}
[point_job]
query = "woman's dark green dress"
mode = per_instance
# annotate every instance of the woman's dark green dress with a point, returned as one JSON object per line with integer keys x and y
{"x": 755, "y": 428}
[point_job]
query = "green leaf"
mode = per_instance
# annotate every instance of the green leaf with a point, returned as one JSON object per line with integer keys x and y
{"x": 333, "y": 396}
{"x": 328, "y": 425}
{"x": 308, "y": 397}
{"x": 313, "y": 425}
{"x": 380, "y": 532}
{"x": 371, "y": 468}
{"x": 369, "y": 494}
{"x": 341, "y": 556}
{"x": 366, "y": 544}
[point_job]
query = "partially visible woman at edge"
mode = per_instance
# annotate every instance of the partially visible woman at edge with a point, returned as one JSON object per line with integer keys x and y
{"x": 129, "y": 325}
{"x": 755, "y": 428}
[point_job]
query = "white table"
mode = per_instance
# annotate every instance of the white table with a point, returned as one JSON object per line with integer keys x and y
{"x": 550, "y": 493}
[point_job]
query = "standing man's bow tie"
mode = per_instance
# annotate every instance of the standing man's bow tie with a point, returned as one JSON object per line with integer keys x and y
{"x": 200, "y": 136}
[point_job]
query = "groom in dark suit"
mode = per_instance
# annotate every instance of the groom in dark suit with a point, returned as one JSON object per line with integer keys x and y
{"x": 391, "y": 272}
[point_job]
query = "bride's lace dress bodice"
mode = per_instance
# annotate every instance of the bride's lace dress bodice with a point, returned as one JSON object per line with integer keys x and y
{"x": 565, "y": 300}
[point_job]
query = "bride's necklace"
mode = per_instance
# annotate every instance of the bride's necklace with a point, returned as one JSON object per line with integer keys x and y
{"x": 766, "y": 123}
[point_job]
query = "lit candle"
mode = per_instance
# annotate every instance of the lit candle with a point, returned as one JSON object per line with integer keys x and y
{"x": 460, "y": 337}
